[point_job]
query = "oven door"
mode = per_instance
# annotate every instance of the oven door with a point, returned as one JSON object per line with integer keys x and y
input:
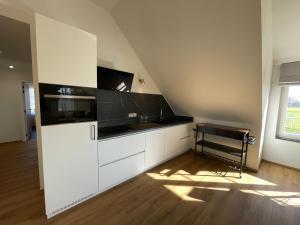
{"x": 58, "y": 109}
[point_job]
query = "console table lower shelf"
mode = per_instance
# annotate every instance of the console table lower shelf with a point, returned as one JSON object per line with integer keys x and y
{"x": 239, "y": 134}
{"x": 226, "y": 149}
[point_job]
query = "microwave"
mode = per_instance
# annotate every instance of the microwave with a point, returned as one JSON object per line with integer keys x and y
{"x": 61, "y": 104}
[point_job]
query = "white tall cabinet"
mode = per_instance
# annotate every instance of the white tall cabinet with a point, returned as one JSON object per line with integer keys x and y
{"x": 68, "y": 56}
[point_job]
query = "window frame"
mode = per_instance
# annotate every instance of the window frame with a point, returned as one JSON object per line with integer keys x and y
{"x": 282, "y": 113}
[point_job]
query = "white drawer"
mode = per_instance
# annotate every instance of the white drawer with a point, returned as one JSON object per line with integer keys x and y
{"x": 120, "y": 171}
{"x": 119, "y": 148}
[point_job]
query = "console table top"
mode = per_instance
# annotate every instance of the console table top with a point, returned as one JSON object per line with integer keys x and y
{"x": 224, "y": 128}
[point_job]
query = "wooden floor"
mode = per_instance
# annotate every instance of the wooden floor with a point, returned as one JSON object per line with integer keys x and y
{"x": 182, "y": 191}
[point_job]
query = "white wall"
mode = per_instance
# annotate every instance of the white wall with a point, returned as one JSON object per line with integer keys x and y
{"x": 267, "y": 63}
{"x": 286, "y": 48}
{"x": 113, "y": 48}
{"x": 11, "y": 116}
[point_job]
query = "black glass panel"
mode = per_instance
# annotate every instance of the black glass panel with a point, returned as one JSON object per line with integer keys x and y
{"x": 66, "y": 104}
{"x": 110, "y": 79}
{"x": 114, "y": 108}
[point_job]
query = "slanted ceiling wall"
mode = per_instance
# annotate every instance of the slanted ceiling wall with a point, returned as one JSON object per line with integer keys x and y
{"x": 204, "y": 55}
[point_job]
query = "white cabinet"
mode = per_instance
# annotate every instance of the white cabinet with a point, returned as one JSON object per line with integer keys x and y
{"x": 70, "y": 165}
{"x": 155, "y": 148}
{"x": 119, "y": 171}
{"x": 119, "y": 148}
{"x": 178, "y": 139}
{"x": 74, "y": 173}
{"x": 66, "y": 55}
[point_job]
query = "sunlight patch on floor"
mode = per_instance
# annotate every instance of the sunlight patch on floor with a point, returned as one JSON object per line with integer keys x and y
{"x": 208, "y": 176}
{"x": 164, "y": 171}
{"x": 183, "y": 191}
{"x": 250, "y": 179}
{"x": 284, "y": 198}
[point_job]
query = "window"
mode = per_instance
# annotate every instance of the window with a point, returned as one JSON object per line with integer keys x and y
{"x": 289, "y": 113}
{"x": 31, "y": 100}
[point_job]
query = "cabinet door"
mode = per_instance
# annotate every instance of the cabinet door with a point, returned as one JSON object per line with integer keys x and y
{"x": 178, "y": 140}
{"x": 155, "y": 148}
{"x": 172, "y": 142}
{"x": 186, "y": 137}
{"x": 70, "y": 164}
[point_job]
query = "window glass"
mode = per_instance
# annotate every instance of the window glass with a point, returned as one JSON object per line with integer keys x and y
{"x": 32, "y": 100}
{"x": 292, "y": 121}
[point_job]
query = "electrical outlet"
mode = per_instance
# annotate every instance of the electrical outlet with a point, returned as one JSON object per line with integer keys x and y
{"x": 132, "y": 115}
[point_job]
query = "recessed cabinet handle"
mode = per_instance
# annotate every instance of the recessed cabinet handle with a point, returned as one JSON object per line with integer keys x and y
{"x": 185, "y": 137}
{"x": 93, "y": 132}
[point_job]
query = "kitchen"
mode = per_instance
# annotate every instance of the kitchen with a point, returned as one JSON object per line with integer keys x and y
{"x": 95, "y": 136}
{"x": 128, "y": 98}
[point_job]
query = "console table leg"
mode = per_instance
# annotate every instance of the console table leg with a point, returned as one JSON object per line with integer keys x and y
{"x": 242, "y": 156}
{"x": 202, "y": 142}
{"x": 196, "y": 138}
{"x": 245, "y": 166}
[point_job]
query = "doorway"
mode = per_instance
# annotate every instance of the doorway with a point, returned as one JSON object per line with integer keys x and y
{"x": 19, "y": 162}
{"x": 15, "y": 70}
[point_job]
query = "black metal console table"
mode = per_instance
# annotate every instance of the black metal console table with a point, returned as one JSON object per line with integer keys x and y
{"x": 239, "y": 134}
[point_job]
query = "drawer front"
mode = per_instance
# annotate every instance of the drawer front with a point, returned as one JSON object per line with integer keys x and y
{"x": 119, "y": 148}
{"x": 120, "y": 171}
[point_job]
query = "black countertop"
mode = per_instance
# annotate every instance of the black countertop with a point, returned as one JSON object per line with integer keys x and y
{"x": 111, "y": 132}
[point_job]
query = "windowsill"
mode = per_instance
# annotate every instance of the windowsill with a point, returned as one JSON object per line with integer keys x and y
{"x": 288, "y": 139}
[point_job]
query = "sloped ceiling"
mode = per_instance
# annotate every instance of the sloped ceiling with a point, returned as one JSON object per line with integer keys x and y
{"x": 204, "y": 55}
{"x": 285, "y": 34}
{"x": 14, "y": 42}
{"x": 106, "y": 4}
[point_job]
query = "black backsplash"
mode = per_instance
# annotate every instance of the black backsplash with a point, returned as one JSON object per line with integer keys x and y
{"x": 113, "y": 108}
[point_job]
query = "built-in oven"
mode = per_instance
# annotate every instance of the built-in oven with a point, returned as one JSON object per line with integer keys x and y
{"x": 67, "y": 104}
